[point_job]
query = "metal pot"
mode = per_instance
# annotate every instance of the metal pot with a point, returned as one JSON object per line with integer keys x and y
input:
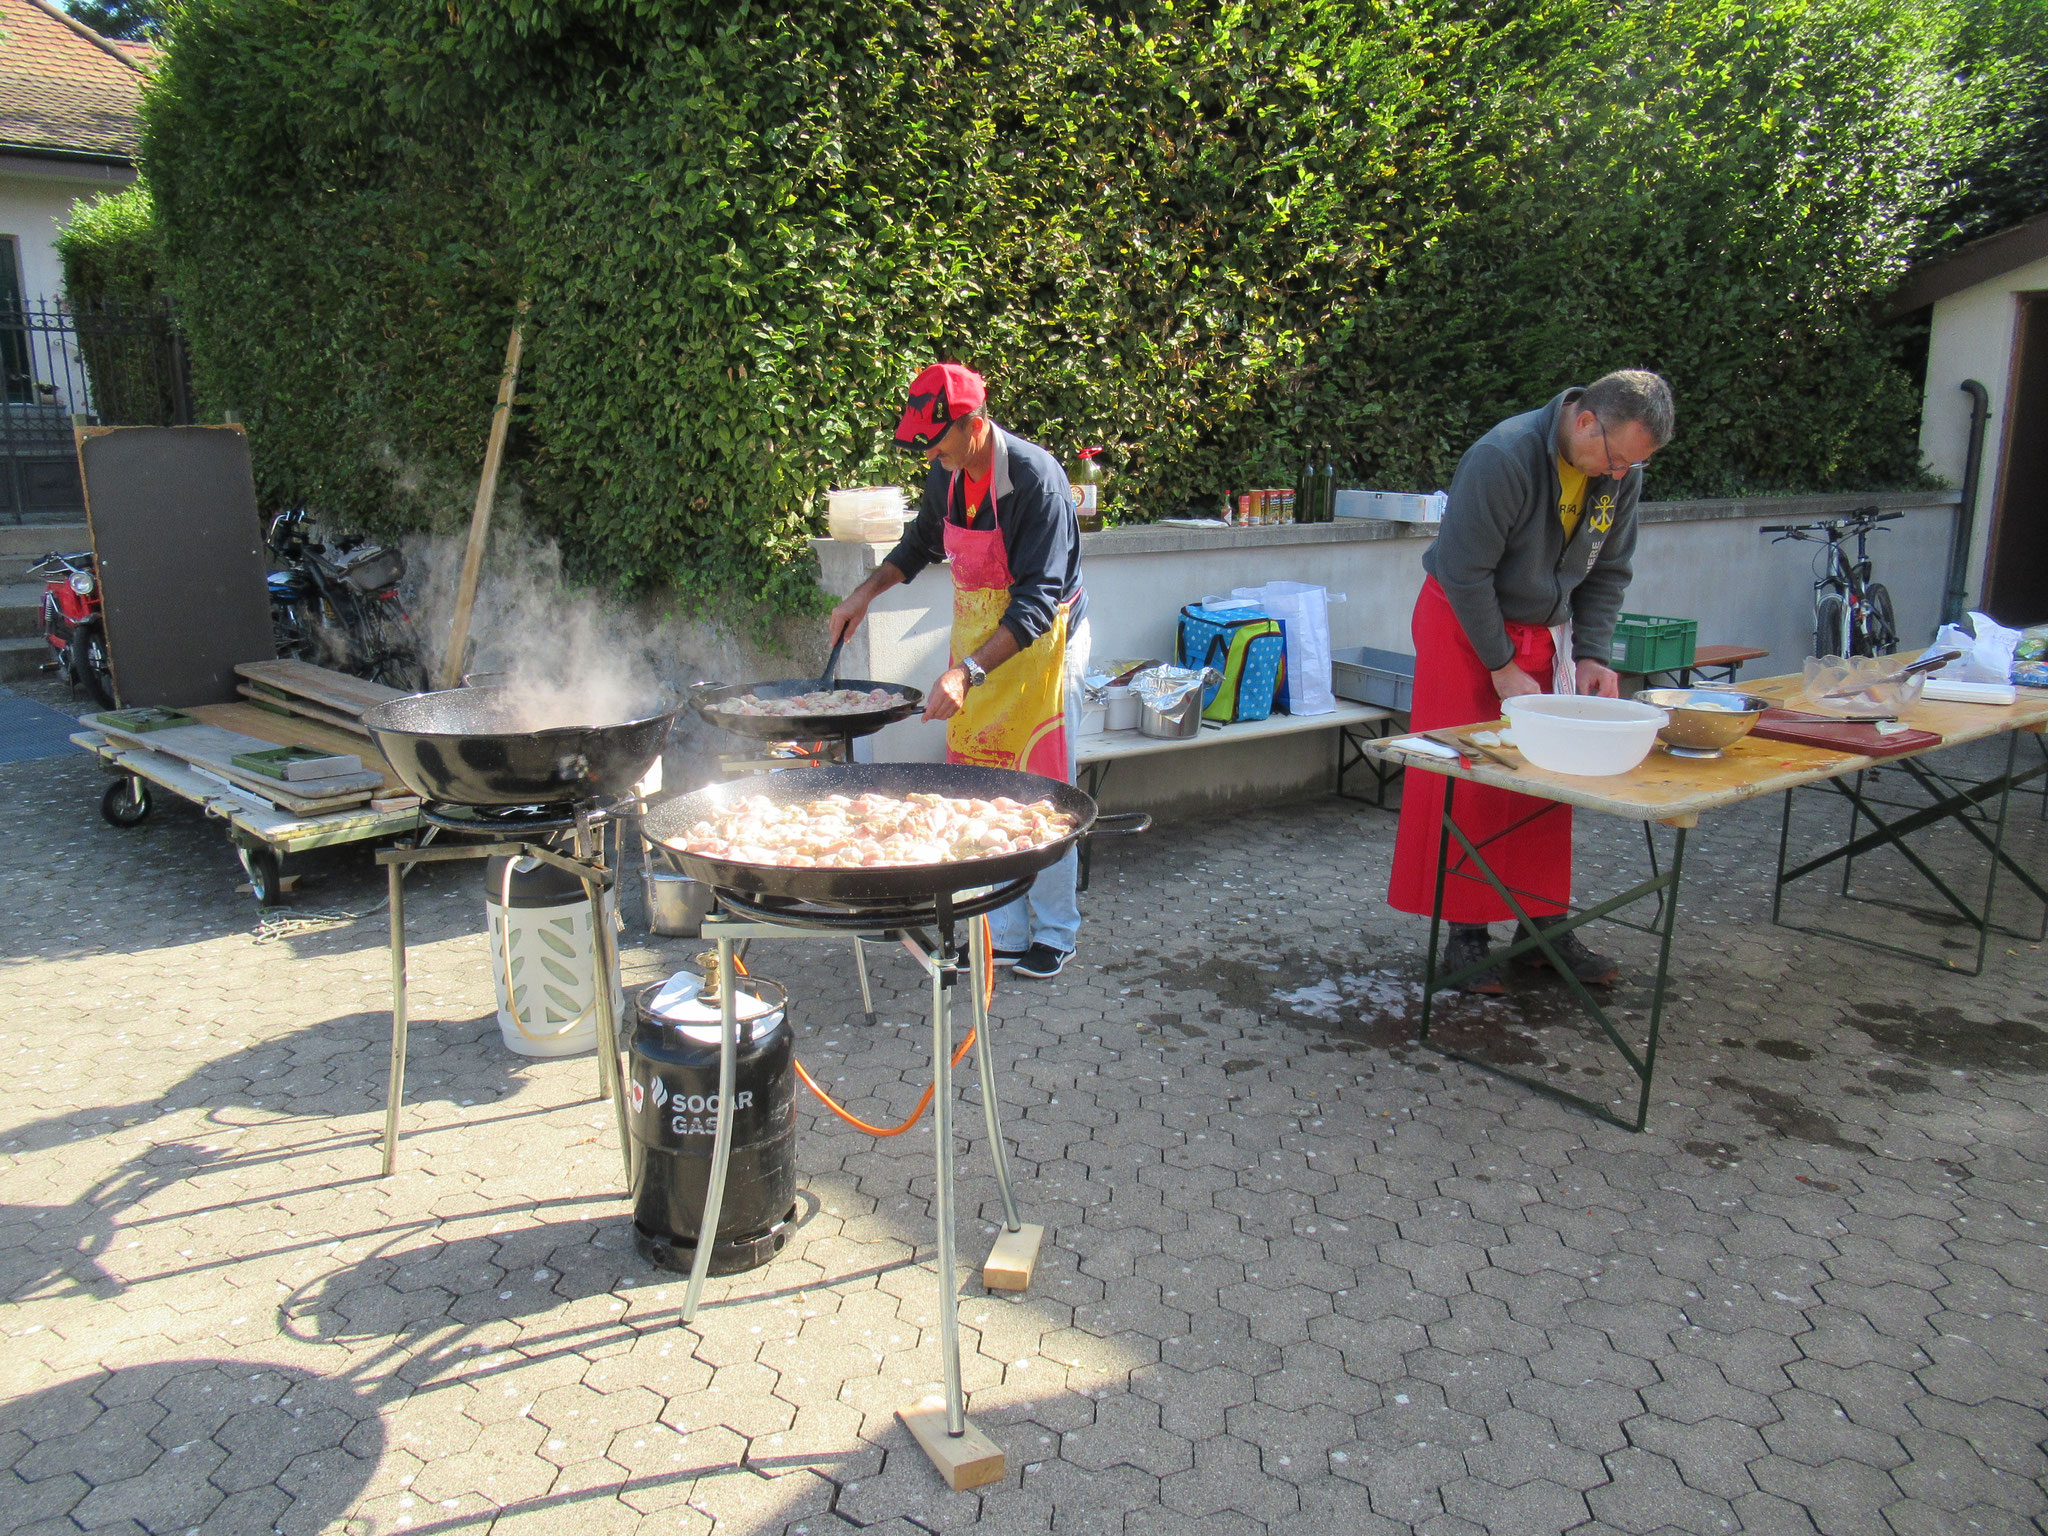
{"x": 1175, "y": 724}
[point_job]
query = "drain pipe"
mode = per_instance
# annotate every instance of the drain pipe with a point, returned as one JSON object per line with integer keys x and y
{"x": 1966, "y": 514}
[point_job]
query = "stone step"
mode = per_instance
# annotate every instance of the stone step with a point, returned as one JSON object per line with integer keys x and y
{"x": 24, "y": 658}
{"x": 22, "y": 545}
{"x": 21, "y": 610}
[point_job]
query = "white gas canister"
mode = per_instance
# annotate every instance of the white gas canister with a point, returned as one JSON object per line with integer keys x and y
{"x": 543, "y": 958}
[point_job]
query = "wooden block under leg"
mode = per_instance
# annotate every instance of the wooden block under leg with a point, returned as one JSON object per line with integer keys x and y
{"x": 1013, "y": 1258}
{"x": 965, "y": 1461}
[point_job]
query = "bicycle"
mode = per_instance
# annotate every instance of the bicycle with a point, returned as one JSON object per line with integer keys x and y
{"x": 1852, "y": 615}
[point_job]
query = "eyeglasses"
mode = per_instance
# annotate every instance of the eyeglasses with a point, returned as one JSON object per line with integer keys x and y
{"x": 1608, "y": 453}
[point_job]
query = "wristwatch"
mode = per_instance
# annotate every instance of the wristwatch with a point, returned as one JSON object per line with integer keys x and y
{"x": 976, "y": 674}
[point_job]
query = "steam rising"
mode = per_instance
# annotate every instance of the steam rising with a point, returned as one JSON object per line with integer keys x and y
{"x": 567, "y": 658}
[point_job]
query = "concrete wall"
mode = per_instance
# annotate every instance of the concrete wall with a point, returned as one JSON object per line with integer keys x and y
{"x": 1972, "y": 338}
{"x": 1703, "y": 560}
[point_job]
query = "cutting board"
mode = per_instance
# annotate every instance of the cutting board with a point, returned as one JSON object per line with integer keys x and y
{"x": 1858, "y": 738}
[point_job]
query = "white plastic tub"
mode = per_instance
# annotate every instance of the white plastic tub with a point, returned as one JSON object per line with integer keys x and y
{"x": 1578, "y": 734}
{"x": 866, "y": 514}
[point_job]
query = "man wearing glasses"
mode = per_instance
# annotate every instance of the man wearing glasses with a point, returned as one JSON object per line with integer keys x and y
{"x": 1525, "y": 583}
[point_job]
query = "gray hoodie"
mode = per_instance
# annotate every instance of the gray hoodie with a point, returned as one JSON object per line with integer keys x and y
{"x": 1501, "y": 553}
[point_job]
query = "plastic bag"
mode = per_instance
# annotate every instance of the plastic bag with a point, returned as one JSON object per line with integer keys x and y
{"x": 1305, "y": 612}
{"x": 1880, "y": 701}
{"x": 1987, "y": 648}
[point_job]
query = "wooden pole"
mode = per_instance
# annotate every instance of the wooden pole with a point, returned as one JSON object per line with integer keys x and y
{"x": 480, "y": 516}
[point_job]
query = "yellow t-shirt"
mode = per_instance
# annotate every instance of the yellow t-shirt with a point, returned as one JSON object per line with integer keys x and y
{"x": 1571, "y": 495}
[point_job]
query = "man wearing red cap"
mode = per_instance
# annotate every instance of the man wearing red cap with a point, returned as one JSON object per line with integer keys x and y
{"x": 999, "y": 510}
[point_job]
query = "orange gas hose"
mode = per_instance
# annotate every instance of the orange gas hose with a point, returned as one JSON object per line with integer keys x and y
{"x": 924, "y": 1103}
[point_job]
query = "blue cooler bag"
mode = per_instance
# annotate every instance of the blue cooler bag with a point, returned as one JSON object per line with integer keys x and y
{"x": 1248, "y": 646}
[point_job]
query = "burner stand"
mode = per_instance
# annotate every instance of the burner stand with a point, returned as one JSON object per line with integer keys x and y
{"x": 962, "y": 1453}
{"x": 515, "y": 832}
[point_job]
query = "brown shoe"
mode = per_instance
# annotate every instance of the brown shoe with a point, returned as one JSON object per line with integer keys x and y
{"x": 1468, "y": 945}
{"x": 1594, "y": 970}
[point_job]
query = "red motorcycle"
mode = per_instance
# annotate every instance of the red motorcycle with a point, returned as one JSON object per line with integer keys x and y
{"x": 73, "y": 626}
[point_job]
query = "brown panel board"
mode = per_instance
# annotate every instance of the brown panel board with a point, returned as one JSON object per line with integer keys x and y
{"x": 179, "y": 541}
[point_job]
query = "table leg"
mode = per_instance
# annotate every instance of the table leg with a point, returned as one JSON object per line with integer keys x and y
{"x": 394, "y": 1096}
{"x": 721, "y": 1140}
{"x": 1436, "y": 909}
{"x": 1961, "y": 806}
{"x": 1663, "y": 884}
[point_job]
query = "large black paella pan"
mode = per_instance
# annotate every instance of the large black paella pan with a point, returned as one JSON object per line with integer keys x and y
{"x": 669, "y": 824}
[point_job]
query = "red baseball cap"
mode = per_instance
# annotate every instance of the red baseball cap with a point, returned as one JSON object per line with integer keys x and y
{"x": 939, "y": 396}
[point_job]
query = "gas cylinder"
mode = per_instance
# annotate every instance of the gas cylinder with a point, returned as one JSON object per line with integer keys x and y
{"x": 543, "y": 957}
{"x": 673, "y": 1102}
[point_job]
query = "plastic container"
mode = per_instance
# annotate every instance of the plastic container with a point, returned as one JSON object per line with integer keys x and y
{"x": 543, "y": 958}
{"x": 1644, "y": 643}
{"x": 1591, "y": 737}
{"x": 866, "y": 514}
{"x": 1124, "y": 708}
{"x": 1366, "y": 676}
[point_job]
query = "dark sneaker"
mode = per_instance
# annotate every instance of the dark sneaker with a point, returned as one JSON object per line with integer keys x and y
{"x": 1594, "y": 970}
{"x": 1007, "y": 956}
{"x": 1041, "y": 961}
{"x": 1468, "y": 946}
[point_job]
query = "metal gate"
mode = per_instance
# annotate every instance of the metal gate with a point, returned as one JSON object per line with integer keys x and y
{"x": 64, "y": 365}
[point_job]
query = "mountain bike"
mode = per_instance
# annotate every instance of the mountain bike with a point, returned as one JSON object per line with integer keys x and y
{"x": 1852, "y": 615}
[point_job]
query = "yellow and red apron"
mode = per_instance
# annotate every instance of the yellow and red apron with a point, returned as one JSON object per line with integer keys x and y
{"x": 1018, "y": 718}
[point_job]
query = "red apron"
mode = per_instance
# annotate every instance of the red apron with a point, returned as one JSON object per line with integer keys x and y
{"x": 1453, "y": 687}
{"x": 1018, "y": 718}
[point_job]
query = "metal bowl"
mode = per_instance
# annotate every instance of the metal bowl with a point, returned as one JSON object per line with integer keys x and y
{"x": 1704, "y": 721}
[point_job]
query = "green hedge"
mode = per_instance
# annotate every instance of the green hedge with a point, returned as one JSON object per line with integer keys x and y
{"x": 109, "y": 250}
{"x": 1203, "y": 234}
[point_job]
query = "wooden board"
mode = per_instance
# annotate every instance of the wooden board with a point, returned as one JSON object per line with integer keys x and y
{"x": 297, "y": 731}
{"x": 211, "y": 750}
{"x": 971, "y": 1461}
{"x": 179, "y": 540}
{"x": 1679, "y": 789}
{"x": 284, "y": 703}
{"x": 1013, "y": 1259}
{"x": 244, "y": 809}
{"x": 336, "y": 691}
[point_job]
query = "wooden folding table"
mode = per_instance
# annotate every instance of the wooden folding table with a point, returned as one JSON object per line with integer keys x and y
{"x": 1675, "y": 792}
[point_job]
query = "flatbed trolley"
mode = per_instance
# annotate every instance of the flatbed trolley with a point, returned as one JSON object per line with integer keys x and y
{"x": 262, "y": 835}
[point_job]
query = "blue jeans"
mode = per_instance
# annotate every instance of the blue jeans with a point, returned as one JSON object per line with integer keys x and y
{"x": 1050, "y": 912}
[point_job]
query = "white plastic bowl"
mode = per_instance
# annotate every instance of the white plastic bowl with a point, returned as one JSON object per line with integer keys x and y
{"x": 1578, "y": 734}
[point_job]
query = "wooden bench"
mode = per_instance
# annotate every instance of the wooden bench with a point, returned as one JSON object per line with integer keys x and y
{"x": 1722, "y": 661}
{"x": 1354, "y": 724}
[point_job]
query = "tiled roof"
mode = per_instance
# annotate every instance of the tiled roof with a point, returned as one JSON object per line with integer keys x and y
{"x": 63, "y": 87}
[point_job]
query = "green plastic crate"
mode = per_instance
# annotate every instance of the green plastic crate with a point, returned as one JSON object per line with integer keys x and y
{"x": 1644, "y": 643}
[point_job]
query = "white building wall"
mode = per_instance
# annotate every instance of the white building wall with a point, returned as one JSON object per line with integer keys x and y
{"x": 1703, "y": 560}
{"x": 1972, "y": 338}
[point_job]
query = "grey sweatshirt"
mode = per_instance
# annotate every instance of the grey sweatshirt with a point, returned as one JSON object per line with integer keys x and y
{"x": 1501, "y": 554}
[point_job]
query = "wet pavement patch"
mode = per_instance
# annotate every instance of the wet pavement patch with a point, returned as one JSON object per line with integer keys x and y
{"x": 1786, "y": 1050}
{"x": 1943, "y": 1037}
{"x": 1783, "y": 1115}
{"x": 1901, "y": 1082}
